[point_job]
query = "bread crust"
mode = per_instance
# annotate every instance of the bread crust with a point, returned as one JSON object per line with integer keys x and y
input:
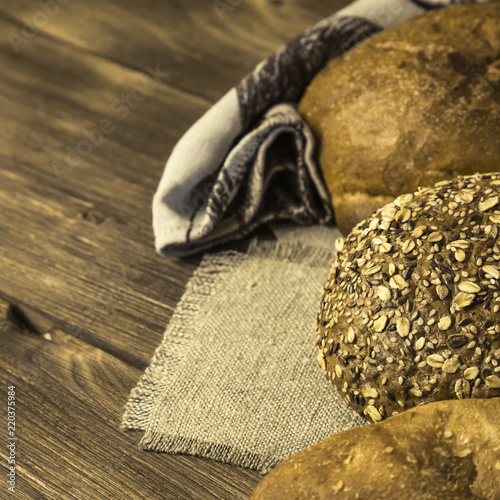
{"x": 448, "y": 451}
{"x": 408, "y": 107}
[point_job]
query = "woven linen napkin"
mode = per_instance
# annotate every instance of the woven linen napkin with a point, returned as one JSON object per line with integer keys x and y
{"x": 250, "y": 159}
{"x": 235, "y": 378}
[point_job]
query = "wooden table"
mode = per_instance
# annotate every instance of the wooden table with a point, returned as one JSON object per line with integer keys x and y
{"x": 93, "y": 96}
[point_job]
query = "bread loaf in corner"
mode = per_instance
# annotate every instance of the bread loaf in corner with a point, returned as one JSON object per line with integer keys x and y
{"x": 448, "y": 450}
{"x": 408, "y": 107}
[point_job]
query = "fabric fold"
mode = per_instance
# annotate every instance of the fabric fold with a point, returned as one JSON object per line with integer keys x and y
{"x": 270, "y": 175}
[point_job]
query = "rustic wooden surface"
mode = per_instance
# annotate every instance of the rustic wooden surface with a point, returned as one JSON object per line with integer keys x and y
{"x": 84, "y": 298}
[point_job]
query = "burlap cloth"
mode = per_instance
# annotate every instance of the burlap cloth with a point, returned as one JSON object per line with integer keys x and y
{"x": 235, "y": 378}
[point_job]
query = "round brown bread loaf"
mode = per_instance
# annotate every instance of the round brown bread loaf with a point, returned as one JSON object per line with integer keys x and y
{"x": 411, "y": 310}
{"x": 408, "y": 107}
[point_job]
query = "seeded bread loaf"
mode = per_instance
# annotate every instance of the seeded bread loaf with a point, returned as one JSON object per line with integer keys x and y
{"x": 408, "y": 107}
{"x": 448, "y": 451}
{"x": 411, "y": 310}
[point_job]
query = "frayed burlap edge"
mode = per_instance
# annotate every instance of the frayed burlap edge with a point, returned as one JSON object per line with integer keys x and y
{"x": 205, "y": 281}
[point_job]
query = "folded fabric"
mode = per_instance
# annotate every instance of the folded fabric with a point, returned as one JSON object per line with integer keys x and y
{"x": 250, "y": 158}
{"x": 235, "y": 378}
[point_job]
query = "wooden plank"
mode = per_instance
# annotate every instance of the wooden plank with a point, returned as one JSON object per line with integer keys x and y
{"x": 91, "y": 296}
{"x": 86, "y": 243}
{"x": 69, "y": 399}
{"x": 207, "y": 45}
{"x": 55, "y": 112}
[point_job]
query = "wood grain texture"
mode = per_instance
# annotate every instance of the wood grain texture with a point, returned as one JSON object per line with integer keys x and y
{"x": 70, "y": 397}
{"x": 84, "y": 298}
{"x": 208, "y": 50}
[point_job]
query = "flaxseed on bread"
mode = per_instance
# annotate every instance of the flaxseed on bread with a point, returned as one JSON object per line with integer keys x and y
{"x": 411, "y": 310}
